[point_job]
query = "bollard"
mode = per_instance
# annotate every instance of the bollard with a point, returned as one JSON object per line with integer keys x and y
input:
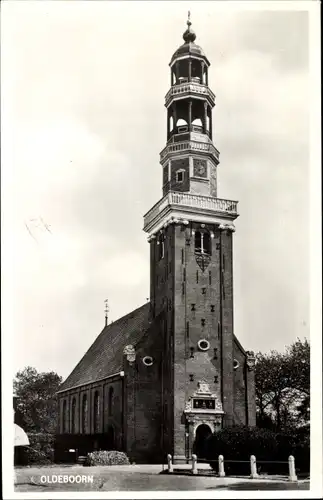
{"x": 253, "y": 467}
{"x": 169, "y": 463}
{"x": 221, "y": 466}
{"x": 194, "y": 464}
{"x": 291, "y": 465}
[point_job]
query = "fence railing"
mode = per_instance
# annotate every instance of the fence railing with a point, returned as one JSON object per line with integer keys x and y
{"x": 193, "y": 201}
{"x": 253, "y": 465}
{"x": 189, "y": 146}
{"x": 186, "y": 87}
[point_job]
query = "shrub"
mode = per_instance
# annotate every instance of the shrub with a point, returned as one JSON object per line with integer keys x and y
{"x": 40, "y": 451}
{"x": 295, "y": 442}
{"x": 106, "y": 458}
{"x": 237, "y": 444}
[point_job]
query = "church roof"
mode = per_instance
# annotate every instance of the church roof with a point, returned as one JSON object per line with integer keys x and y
{"x": 105, "y": 356}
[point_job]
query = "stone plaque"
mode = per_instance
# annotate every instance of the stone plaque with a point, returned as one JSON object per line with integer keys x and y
{"x": 203, "y": 404}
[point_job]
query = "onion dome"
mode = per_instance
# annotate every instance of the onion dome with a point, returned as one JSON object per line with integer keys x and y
{"x": 189, "y": 47}
{"x": 189, "y": 35}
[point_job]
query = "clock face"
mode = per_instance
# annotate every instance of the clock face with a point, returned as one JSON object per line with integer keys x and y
{"x": 200, "y": 169}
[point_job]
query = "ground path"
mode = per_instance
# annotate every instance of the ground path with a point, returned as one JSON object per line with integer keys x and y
{"x": 139, "y": 478}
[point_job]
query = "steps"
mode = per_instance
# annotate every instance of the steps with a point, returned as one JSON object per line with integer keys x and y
{"x": 81, "y": 460}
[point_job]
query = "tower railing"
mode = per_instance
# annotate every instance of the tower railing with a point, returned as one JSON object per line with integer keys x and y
{"x": 182, "y": 88}
{"x": 189, "y": 145}
{"x": 192, "y": 201}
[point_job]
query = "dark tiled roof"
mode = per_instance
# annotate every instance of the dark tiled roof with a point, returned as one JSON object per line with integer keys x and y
{"x": 105, "y": 356}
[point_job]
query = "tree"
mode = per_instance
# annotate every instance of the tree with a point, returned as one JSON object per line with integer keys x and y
{"x": 298, "y": 369}
{"x": 283, "y": 387}
{"x": 37, "y": 401}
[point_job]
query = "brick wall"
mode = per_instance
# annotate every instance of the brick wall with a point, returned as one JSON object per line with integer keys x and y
{"x": 190, "y": 300}
{"x": 90, "y": 438}
{"x": 225, "y": 241}
{"x": 240, "y": 387}
{"x": 143, "y": 399}
{"x": 162, "y": 301}
{"x": 251, "y": 397}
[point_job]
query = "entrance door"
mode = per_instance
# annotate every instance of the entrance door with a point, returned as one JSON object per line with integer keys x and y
{"x": 202, "y": 433}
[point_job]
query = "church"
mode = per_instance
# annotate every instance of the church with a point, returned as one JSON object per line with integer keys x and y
{"x": 164, "y": 377}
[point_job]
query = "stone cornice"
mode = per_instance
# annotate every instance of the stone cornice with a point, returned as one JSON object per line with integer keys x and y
{"x": 182, "y": 208}
{"x": 175, "y": 218}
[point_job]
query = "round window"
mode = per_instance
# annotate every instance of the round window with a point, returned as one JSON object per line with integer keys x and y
{"x": 203, "y": 345}
{"x": 148, "y": 360}
{"x": 236, "y": 364}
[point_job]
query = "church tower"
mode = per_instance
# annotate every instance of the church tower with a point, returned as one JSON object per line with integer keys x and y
{"x": 166, "y": 375}
{"x": 190, "y": 234}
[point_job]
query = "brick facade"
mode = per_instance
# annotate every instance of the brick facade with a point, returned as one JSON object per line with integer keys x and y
{"x": 147, "y": 413}
{"x": 153, "y": 377}
{"x": 91, "y": 431}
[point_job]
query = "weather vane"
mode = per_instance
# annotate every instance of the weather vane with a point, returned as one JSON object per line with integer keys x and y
{"x": 106, "y": 311}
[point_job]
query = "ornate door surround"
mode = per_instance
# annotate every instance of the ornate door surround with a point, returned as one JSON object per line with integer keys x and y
{"x": 203, "y": 407}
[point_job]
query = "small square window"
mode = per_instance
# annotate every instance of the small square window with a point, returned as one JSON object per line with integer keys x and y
{"x": 179, "y": 176}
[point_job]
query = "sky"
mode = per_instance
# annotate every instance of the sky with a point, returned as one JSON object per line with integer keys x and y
{"x": 83, "y": 117}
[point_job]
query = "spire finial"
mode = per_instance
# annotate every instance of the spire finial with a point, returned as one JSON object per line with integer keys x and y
{"x": 189, "y": 35}
{"x": 106, "y": 311}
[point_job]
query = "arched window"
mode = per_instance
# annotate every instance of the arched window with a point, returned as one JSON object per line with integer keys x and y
{"x": 182, "y": 126}
{"x": 197, "y": 125}
{"x": 198, "y": 240}
{"x": 64, "y": 417}
{"x": 202, "y": 242}
{"x": 180, "y": 122}
{"x": 96, "y": 412}
{"x": 161, "y": 246}
{"x": 197, "y": 122}
{"x": 84, "y": 414}
{"x": 206, "y": 243}
{"x": 110, "y": 401}
{"x": 73, "y": 416}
